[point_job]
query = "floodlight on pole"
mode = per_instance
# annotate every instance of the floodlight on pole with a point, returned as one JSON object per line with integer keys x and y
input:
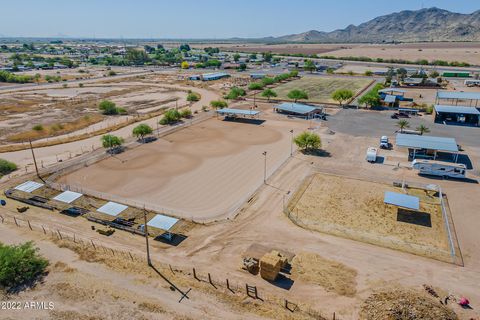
{"x": 291, "y": 143}
{"x": 265, "y": 168}
{"x": 145, "y": 229}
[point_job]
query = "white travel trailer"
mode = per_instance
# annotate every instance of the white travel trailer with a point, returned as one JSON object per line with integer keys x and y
{"x": 439, "y": 168}
{"x": 472, "y": 83}
{"x": 371, "y": 154}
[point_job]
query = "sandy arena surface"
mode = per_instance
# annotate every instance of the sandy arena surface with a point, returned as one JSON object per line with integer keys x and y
{"x": 201, "y": 172}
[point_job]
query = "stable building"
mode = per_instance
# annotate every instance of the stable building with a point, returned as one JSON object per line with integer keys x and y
{"x": 457, "y": 114}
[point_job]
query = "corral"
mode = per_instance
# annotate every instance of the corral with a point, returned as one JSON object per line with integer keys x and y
{"x": 320, "y": 89}
{"x": 355, "y": 209}
{"x": 170, "y": 175}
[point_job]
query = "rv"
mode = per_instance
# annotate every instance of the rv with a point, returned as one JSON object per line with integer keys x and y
{"x": 371, "y": 155}
{"x": 438, "y": 168}
{"x": 472, "y": 83}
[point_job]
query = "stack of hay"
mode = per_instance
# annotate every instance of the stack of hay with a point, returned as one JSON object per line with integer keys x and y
{"x": 250, "y": 264}
{"x": 270, "y": 265}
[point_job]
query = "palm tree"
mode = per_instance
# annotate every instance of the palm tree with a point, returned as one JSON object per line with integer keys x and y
{"x": 423, "y": 129}
{"x": 402, "y": 124}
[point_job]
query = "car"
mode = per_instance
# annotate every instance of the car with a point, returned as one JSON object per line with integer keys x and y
{"x": 398, "y": 115}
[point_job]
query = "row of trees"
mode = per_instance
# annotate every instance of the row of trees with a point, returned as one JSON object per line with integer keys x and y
{"x": 404, "y": 124}
{"x": 371, "y": 98}
{"x": 6, "y": 76}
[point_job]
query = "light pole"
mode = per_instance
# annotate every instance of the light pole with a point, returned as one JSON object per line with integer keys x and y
{"x": 34, "y": 160}
{"x": 145, "y": 229}
{"x": 291, "y": 143}
{"x": 265, "y": 168}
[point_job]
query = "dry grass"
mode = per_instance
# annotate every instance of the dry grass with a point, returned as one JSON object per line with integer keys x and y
{"x": 355, "y": 209}
{"x": 332, "y": 275}
{"x": 404, "y": 305}
{"x": 151, "y": 307}
{"x": 71, "y": 315}
{"x": 57, "y": 129}
{"x": 53, "y": 142}
{"x": 272, "y": 307}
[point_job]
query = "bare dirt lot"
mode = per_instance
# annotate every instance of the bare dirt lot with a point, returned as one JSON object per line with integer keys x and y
{"x": 55, "y": 111}
{"x": 203, "y": 171}
{"x": 448, "y": 51}
{"x": 462, "y": 52}
{"x": 355, "y": 209}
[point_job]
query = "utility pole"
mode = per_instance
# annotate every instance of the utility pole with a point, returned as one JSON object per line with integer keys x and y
{"x": 265, "y": 168}
{"x": 34, "y": 159}
{"x": 291, "y": 143}
{"x": 145, "y": 229}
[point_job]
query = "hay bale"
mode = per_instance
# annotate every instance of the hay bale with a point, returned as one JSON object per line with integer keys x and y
{"x": 270, "y": 265}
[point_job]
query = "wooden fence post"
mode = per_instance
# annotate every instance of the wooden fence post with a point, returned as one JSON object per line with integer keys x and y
{"x": 59, "y": 234}
{"x": 15, "y": 219}
{"x": 44, "y": 232}
{"x": 93, "y": 244}
{"x": 195, "y": 274}
{"x": 29, "y": 225}
{"x": 210, "y": 280}
{"x": 228, "y": 285}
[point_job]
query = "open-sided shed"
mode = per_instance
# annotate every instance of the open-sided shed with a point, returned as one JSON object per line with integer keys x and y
{"x": 298, "y": 109}
{"x": 457, "y": 114}
{"x": 458, "y": 97}
{"x": 402, "y": 200}
{"x": 425, "y": 145}
{"x": 228, "y": 112}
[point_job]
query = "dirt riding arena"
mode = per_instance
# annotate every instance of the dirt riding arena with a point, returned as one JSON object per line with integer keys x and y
{"x": 202, "y": 172}
{"x": 355, "y": 209}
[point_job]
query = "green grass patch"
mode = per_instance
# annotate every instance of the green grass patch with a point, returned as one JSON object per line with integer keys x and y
{"x": 321, "y": 89}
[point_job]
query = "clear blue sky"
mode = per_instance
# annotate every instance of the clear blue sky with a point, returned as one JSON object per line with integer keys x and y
{"x": 197, "y": 18}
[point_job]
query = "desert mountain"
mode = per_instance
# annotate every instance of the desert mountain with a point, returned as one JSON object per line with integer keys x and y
{"x": 432, "y": 24}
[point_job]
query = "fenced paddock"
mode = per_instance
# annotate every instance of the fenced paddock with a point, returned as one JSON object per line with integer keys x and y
{"x": 354, "y": 209}
{"x": 202, "y": 173}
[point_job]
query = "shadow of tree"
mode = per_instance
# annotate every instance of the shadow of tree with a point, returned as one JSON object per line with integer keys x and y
{"x": 317, "y": 153}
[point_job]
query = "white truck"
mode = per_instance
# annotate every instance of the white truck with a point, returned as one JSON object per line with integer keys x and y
{"x": 371, "y": 154}
{"x": 384, "y": 143}
{"x": 439, "y": 168}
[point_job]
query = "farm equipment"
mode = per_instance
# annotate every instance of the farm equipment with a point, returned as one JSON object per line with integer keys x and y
{"x": 22, "y": 209}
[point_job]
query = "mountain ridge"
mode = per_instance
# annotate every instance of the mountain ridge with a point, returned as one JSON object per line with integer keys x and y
{"x": 431, "y": 24}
